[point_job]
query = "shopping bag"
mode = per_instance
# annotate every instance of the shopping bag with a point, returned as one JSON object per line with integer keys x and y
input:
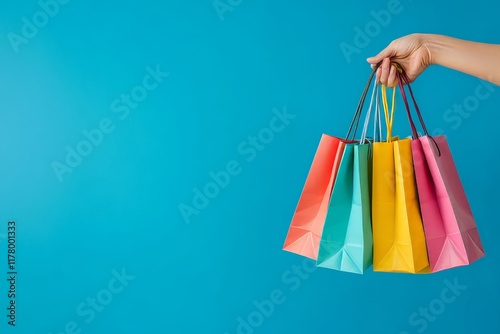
{"x": 346, "y": 242}
{"x": 450, "y": 229}
{"x": 398, "y": 235}
{"x": 307, "y": 223}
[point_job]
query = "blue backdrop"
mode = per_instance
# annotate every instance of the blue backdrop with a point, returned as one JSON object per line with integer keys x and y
{"x": 145, "y": 200}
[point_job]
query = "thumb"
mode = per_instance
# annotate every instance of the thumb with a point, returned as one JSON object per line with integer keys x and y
{"x": 385, "y": 53}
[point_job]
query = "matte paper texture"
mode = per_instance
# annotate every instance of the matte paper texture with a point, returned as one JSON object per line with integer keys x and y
{"x": 152, "y": 154}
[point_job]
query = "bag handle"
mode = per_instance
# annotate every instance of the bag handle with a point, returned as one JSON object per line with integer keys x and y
{"x": 404, "y": 80}
{"x": 353, "y": 127}
{"x": 377, "y": 123}
{"x": 389, "y": 118}
{"x": 368, "y": 115}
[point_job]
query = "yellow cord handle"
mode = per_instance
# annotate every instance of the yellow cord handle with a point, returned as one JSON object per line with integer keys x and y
{"x": 389, "y": 119}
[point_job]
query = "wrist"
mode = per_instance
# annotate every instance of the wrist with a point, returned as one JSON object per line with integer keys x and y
{"x": 434, "y": 45}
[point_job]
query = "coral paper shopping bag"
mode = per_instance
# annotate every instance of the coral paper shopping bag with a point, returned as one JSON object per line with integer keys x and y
{"x": 307, "y": 223}
{"x": 308, "y": 220}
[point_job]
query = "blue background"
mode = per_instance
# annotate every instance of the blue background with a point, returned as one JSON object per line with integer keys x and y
{"x": 120, "y": 207}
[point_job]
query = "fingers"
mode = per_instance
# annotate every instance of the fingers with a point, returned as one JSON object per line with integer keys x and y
{"x": 386, "y": 71}
{"x": 387, "y": 74}
{"x": 385, "y": 53}
{"x": 392, "y": 80}
{"x": 380, "y": 72}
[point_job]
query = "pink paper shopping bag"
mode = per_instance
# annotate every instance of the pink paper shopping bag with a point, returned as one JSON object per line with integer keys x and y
{"x": 450, "y": 229}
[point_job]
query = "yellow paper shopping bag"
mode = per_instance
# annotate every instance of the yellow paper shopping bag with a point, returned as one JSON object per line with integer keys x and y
{"x": 398, "y": 234}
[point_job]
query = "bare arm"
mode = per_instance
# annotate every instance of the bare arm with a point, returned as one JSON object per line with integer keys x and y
{"x": 478, "y": 59}
{"x": 418, "y": 51}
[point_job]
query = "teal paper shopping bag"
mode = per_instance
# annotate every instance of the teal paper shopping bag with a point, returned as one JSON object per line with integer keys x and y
{"x": 346, "y": 242}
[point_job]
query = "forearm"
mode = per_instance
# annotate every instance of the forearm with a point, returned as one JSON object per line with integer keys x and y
{"x": 477, "y": 59}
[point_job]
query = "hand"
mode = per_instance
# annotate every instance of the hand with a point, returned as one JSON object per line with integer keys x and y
{"x": 411, "y": 52}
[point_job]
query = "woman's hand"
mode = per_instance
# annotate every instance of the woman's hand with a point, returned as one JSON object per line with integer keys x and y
{"x": 416, "y": 52}
{"x": 411, "y": 52}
